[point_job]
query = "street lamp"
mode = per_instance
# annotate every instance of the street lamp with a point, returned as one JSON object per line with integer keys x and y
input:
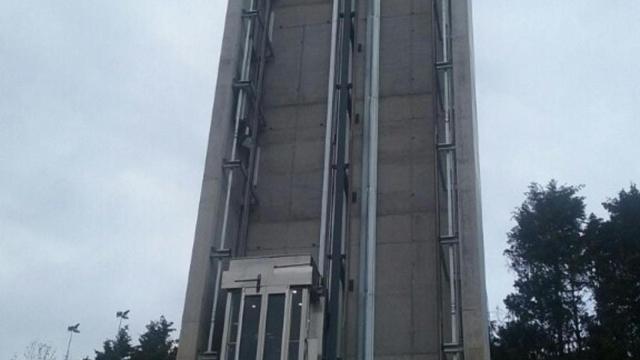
{"x": 122, "y": 315}
{"x": 71, "y": 329}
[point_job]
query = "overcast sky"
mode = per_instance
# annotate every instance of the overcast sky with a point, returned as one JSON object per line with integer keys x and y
{"x": 104, "y": 115}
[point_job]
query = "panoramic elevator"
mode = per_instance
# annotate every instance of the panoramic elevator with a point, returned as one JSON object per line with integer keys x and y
{"x": 340, "y": 209}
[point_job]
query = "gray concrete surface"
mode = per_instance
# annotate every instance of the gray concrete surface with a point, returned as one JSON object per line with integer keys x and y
{"x": 474, "y": 296}
{"x": 295, "y": 89}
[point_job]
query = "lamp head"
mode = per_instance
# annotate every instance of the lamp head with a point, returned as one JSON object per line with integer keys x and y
{"x": 74, "y": 328}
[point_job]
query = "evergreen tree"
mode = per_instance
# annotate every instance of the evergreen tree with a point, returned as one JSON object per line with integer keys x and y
{"x": 156, "y": 342}
{"x": 518, "y": 340}
{"x": 547, "y": 314}
{"x": 117, "y": 349}
{"x": 614, "y": 252}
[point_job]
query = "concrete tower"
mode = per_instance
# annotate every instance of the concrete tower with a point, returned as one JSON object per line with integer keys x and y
{"x": 340, "y": 209}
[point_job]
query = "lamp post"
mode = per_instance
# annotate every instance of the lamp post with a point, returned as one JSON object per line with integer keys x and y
{"x": 71, "y": 329}
{"x": 122, "y": 315}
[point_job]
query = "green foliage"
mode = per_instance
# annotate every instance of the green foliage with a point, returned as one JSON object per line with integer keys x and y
{"x": 577, "y": 279}
{"x": 614, "y": 254}
{"x": 117, "y": 349}
{"x": 156, "y": 342}
{"x": 518, "y": 340}
{"x": 546, "y": 252}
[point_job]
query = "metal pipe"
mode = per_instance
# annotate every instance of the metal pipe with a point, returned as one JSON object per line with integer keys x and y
{"x": 369, "y": 184}
{"x": 322, "y": 247}
{"x": 66, "y": 356}
{"x": 225, "y": 218}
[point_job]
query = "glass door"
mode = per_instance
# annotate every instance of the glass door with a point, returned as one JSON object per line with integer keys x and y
{"x": 265, "y": 324}
{"x": 274, "y": 327}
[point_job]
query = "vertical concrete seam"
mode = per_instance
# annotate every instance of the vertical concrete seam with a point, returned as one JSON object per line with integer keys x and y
{"x": 370, "y": 184}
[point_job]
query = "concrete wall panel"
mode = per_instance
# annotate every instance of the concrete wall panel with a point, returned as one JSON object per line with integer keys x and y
{"x": 287, "y": 219}
{"x": 394, "y": 337}
{"x": 282, "y": 77}
{"x": 292, "y": 15}
{"x": 315, "y": 63}
{"x": 306, "y": 191}
{"x": 396, "y": 8}
{"x": 395, "y": 59}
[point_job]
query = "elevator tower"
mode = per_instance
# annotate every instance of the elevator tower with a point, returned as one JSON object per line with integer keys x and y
{"x": 340, "y": 208}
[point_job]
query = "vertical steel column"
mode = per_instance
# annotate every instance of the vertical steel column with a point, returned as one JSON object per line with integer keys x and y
{"x": 263, "y": 17}
{"x": 336, "y": 272}
{"x": 225, "y": 217}
{"x": 446, "y": 181}
{"x": 248, "y": 100}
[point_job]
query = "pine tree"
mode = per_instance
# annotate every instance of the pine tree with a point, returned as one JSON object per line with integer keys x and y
{"x": 547, "y": 313}
{"x": 156, "y": 342}
{"x": 614, "y": 252}
{"x": 118, "y": 349}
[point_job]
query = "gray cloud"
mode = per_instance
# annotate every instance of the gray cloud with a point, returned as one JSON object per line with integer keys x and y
{"x": 104, "y": 115}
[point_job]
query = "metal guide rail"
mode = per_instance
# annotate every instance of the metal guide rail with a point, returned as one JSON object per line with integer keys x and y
{"x": 241, "y": 166}
{"x": 446, "y": 192}
{"x": 338, "y": 185}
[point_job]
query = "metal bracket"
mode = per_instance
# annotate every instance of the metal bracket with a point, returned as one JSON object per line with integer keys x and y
{"x": 250, "y": 13}
{"x": 291, "y": 265}
{"x": 444, "y": 65}
{"x": 257, "y": 280}
{"x": 220, "y": 253}
{"x": 446, "y": 147}
{"x": 233, "y": 165}
{"x": 246, "y": 85}
{"x": 449, "y": 240}
{"x": 452, "y": 348}
{"x": 213, "y": 355}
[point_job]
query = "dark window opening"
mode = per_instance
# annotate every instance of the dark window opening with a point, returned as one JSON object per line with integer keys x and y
{"x": 250, "y": 326}
{"x": 275, "y": 324}
{"x": 296, "y": 316}
{"x": 234, "y": 317}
